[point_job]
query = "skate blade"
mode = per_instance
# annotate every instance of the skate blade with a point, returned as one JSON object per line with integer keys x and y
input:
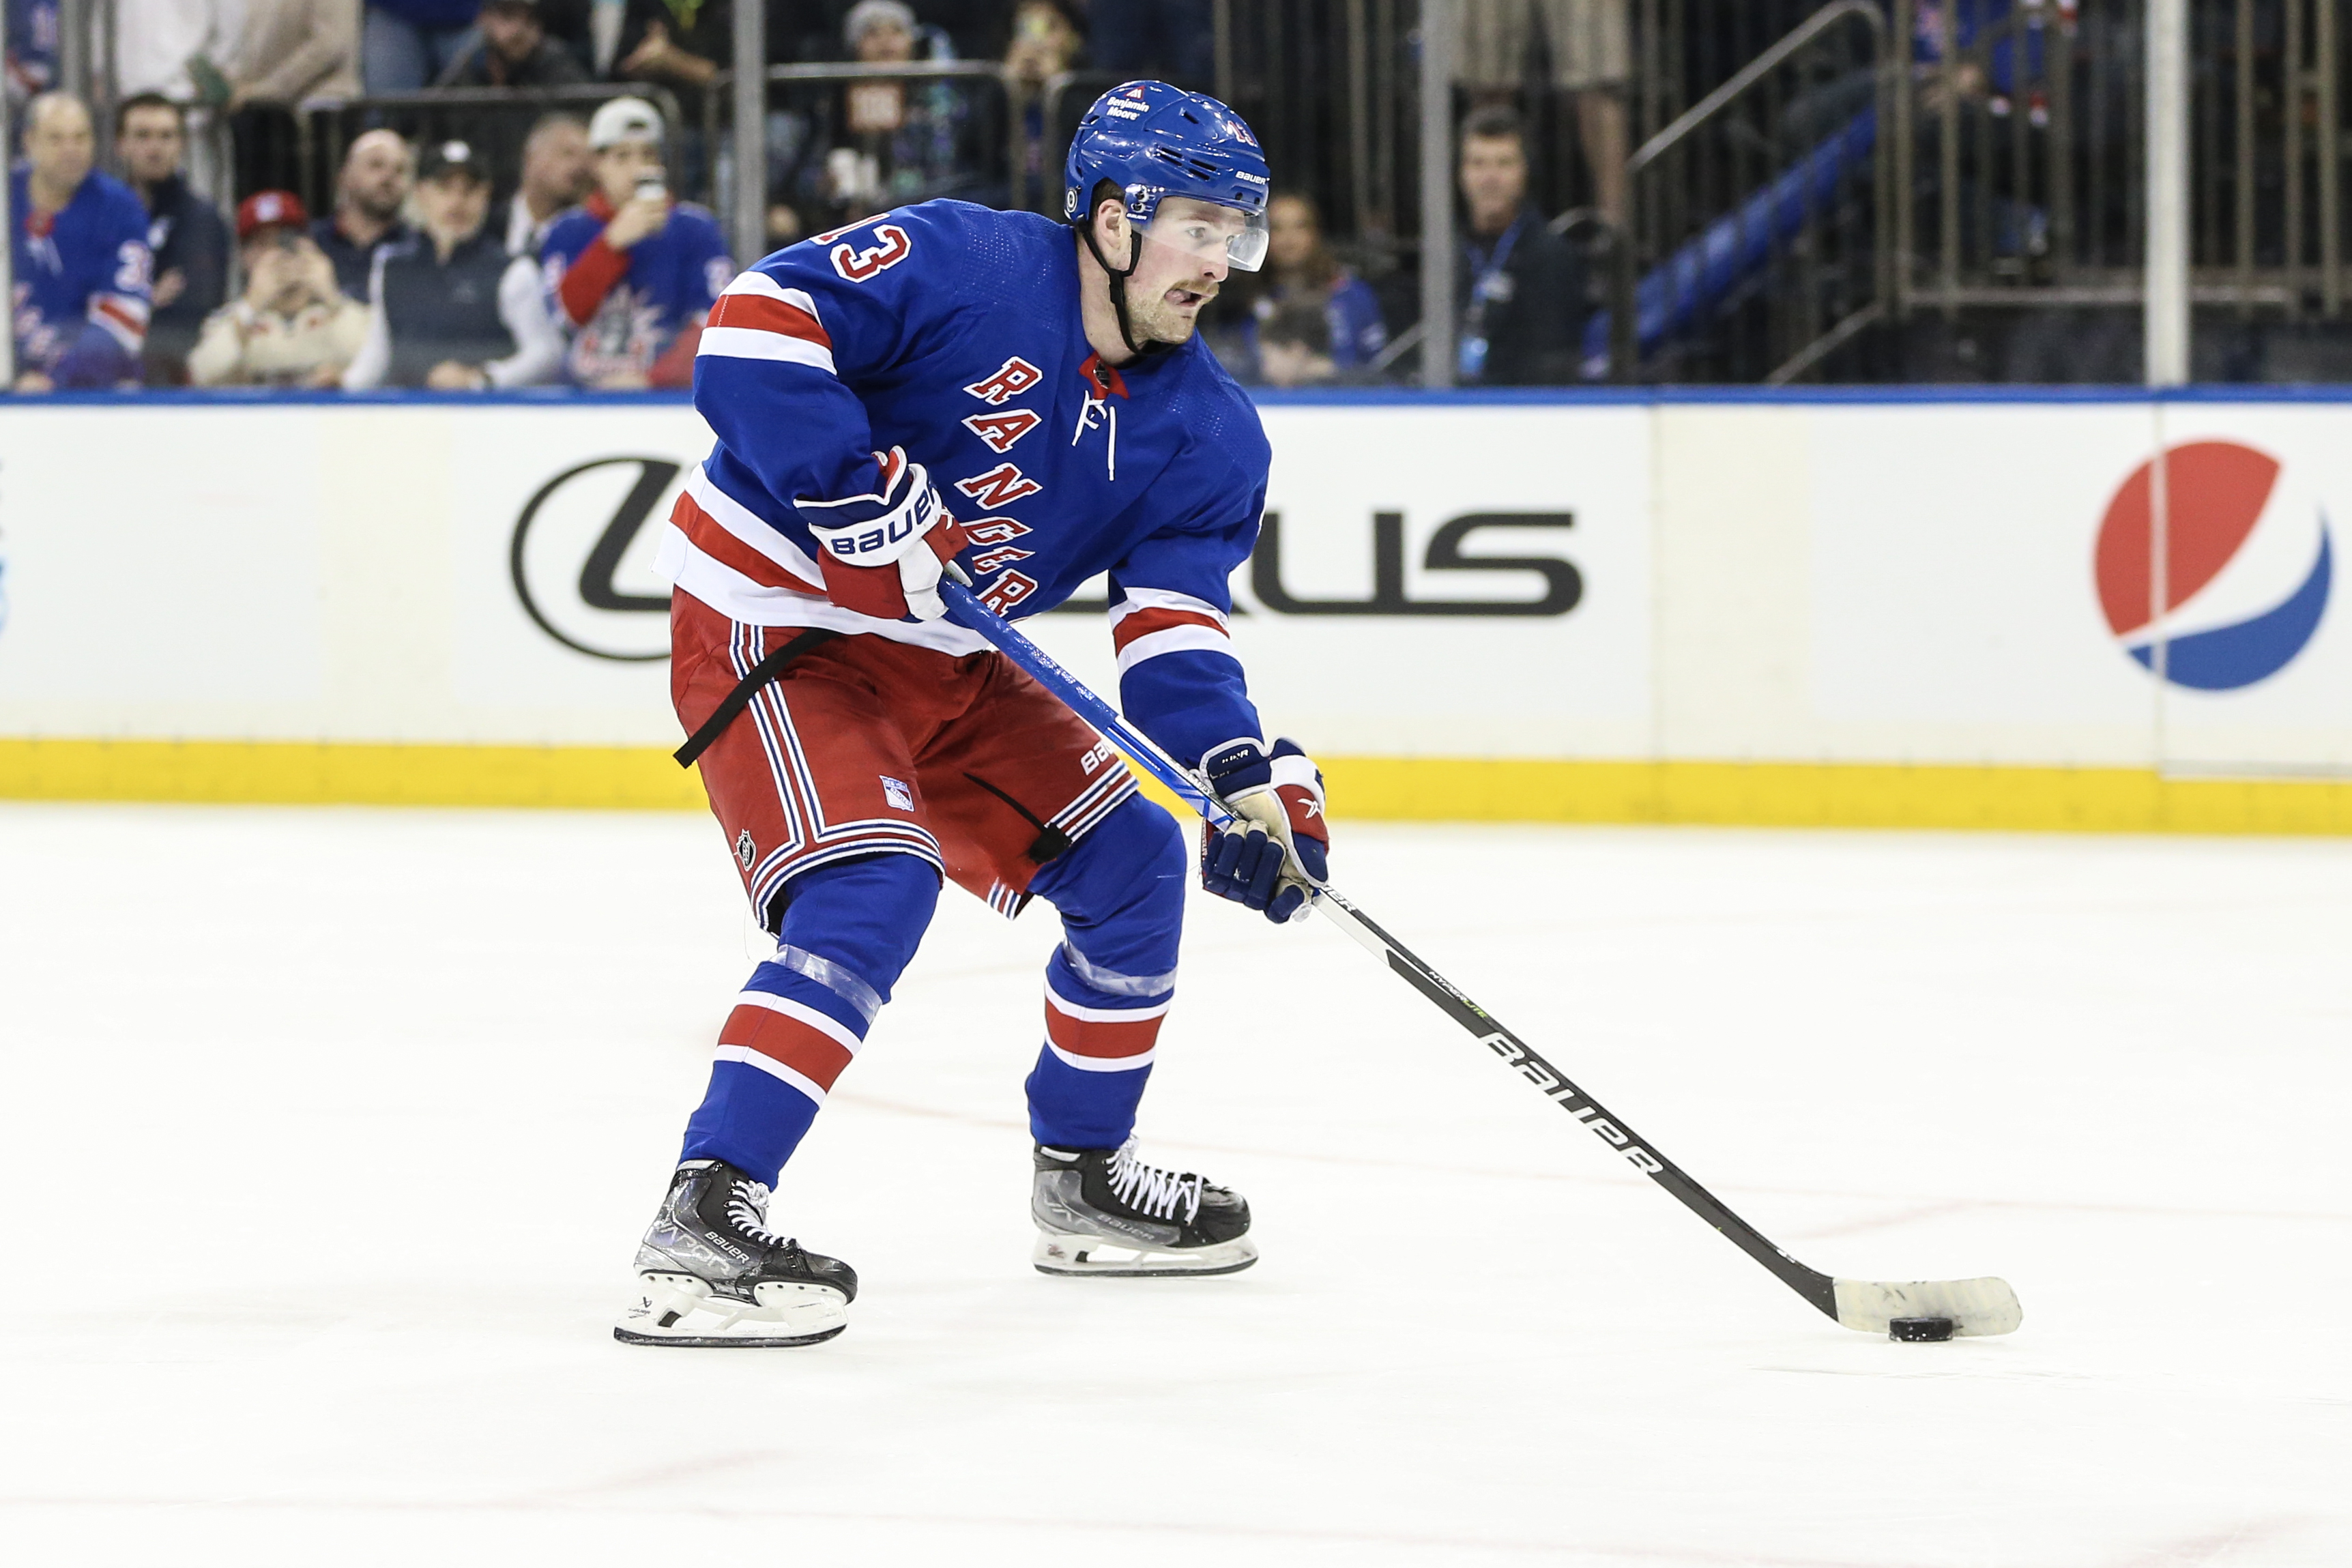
{"x": 1060, "y": 1253}
{"x": 680, "y": 1309}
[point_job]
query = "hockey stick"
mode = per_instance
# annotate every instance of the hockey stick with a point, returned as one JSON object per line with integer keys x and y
{"x": 1985, "y": 1306}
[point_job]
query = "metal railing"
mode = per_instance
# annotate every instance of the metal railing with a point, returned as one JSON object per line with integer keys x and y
{"x": 2028, "y": 205}
{"x": 2039, "y": 117}
{"x": 1778, "y": 201}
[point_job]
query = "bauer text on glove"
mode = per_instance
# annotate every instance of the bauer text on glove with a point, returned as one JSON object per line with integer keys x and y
{"x": 881, "y": 553}
{"x": 1270, "y": 858}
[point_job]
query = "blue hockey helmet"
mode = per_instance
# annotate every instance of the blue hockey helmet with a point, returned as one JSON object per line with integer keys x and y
{"x": 1153, "y": 140}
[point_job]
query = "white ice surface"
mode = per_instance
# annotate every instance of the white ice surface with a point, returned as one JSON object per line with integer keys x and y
{"x": 325, "y": 1137}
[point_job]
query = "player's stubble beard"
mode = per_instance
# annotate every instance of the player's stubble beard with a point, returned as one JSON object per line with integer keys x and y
{"x": 1155, "y": 320}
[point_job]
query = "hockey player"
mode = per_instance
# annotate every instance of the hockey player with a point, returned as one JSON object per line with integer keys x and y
{"x": 949, "y": 382}
{"x": 83, "y": 271}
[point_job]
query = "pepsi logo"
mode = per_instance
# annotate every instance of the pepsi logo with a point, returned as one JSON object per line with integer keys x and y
{"x": 2245, "y": 567}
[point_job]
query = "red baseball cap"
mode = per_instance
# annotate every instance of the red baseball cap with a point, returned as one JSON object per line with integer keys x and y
{"x": 264, "y": 208}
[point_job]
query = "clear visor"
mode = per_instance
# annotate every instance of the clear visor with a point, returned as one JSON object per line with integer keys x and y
{"x": 1207, "y": 232}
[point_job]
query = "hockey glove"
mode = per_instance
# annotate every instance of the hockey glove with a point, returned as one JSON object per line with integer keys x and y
{"x": 881, "y": 553}
{"x": 1272, "y": 858}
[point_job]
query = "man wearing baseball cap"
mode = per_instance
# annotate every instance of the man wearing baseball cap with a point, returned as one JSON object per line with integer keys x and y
{"x": 292, "y": 327}
{"x": 632, "y": 274}
{"x": 450, "y": 310}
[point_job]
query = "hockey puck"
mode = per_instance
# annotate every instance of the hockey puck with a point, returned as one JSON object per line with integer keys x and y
{"x": 1918, "y": 1331}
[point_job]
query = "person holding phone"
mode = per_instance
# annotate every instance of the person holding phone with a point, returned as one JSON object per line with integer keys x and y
{"x": 631, "y": 273}
{"x": 293, "y": 326}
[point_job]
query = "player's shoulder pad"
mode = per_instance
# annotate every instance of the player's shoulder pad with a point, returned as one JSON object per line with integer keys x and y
{"x": 953, "y": 246}
{"x": 1221, "y": 415}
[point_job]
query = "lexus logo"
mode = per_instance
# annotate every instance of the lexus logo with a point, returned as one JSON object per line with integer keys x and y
{"x": 583, "y": 559}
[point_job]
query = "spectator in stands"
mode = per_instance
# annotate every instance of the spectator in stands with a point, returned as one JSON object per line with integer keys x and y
{"x": 682, "y": 45}
{"x": 286, "y": 51}
{"x": 370, "y": 192}
{"x": 678, "y": 47}
{"x": 155, "y": 39}
{"x": 404, "y": 44}
{"x": 450, "y": 310}
{"x": 556, "y": 177}
{"x": 1172, "y": 39}
{"x": 633, "y": 273}
{"x": 293, "y": 327}
{"x": 572, "y": 24}
{"x": 1519, "y": 287}
{"x": 32, "y": 34}
{"x": 1046, "y": 41}
{"x": 156, "y": 45}
{"x": 881, "y": 32}
{"x": 1301, "y": 270}
{"x": 79, "y": 245}
{"x": 1590, "y": 43}
{"x": 898, "y": 142}
{"x": 1294, "y": 346}
{"x": 185, "y": 236}
{"x": 512, "y": 49}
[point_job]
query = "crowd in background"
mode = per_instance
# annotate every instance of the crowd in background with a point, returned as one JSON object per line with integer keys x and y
{"x": 448, "y": 265}
{"x": 591, "y": 274}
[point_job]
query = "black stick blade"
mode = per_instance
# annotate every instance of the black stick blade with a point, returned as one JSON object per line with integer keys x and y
{"x": 1975, "y": 1307}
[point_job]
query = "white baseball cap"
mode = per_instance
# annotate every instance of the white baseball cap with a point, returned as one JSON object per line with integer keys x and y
{"x": 624, "y": 120}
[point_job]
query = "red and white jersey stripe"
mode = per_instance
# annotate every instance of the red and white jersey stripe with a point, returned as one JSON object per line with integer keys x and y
{"x": 758, "y": 317}
{"x": 1148, "y": 622}
{"x": 724, "y": 529}
{"x": 720, "y": 551}
{"x": 1102, "y": 1039}
{"x": 124, "y": 317}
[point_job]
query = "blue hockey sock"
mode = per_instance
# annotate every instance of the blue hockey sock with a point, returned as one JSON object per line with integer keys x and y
{"x": 848, "y": 931}
{"x": 1120, "y": 891}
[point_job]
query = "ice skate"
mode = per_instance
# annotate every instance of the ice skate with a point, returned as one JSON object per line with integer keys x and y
{"x": 709, "y": 1272}
{"x": 1103, "y": 1211}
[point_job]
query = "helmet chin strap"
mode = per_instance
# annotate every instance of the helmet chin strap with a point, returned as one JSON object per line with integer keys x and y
{"x": 1118, "y": 277}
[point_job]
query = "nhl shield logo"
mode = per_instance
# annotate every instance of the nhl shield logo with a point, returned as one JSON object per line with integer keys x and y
{"x": 745, "y": 850}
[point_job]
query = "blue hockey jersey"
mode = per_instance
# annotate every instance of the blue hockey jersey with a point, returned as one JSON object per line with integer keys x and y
{"x": 954, "y": 331}
{"x": 83, "y": 283}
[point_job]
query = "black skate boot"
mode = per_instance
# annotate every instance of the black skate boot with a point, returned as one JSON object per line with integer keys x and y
{"x": 710, "y": 1272}
{"x": 1103, "y": 1211}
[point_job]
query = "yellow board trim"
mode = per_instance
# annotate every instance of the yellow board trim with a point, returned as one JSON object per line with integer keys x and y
{"x": 281, "y": 773}
{"x": 1834, "y": 794}
{"x": 2107, "y": 800}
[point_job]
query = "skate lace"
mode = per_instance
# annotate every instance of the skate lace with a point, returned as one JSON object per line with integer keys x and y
{"x": 747, "y": 1211}
{"x": 1150, "y": 1191}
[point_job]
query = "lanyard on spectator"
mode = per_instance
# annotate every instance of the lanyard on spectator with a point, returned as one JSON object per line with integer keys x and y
{"x": 1493, "y": 286}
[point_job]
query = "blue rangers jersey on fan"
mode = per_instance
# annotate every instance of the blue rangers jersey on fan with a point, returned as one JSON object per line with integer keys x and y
{"x": 82, "y": 283}
{"x": 665, "y": 284}
{"x": 954, "y": 331}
